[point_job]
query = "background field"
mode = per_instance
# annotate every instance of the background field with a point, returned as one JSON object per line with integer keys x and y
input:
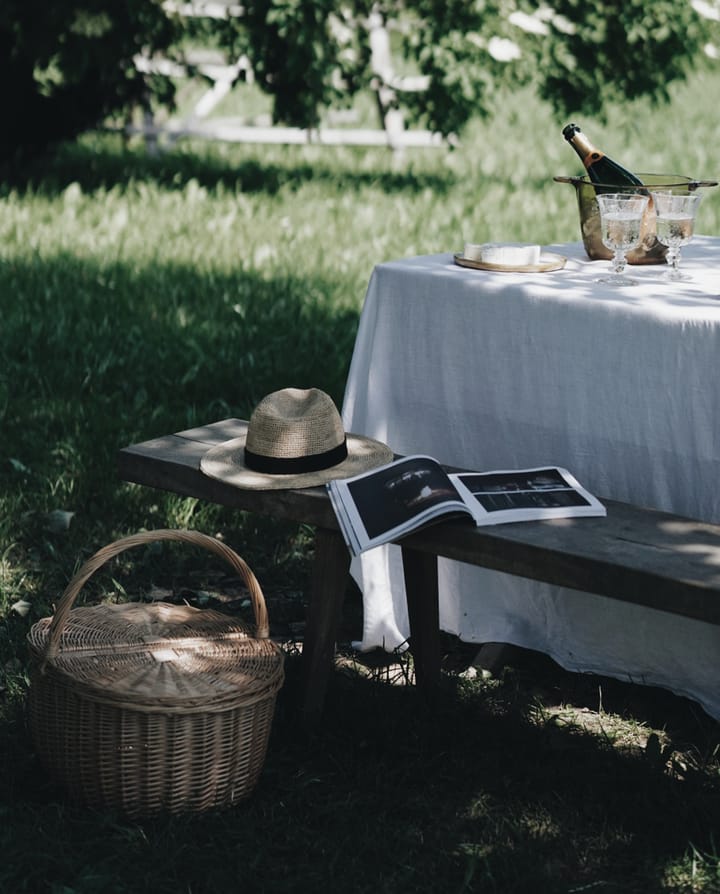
{"x": 140, "y": 296}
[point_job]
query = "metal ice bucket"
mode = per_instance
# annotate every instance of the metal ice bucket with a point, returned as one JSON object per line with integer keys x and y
{"x": 650, "y": 251}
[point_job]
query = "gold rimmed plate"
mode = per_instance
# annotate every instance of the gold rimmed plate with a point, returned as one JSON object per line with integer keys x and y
{"x": 548, "y": 261}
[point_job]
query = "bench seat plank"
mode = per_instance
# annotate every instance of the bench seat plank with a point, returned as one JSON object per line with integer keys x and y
{"x": 635, "y": 555}
{"x": 650, "y": 558}
{"x": 172, "y": 463}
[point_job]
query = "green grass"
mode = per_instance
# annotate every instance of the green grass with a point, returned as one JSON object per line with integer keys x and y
{"x": 140, "y": 296}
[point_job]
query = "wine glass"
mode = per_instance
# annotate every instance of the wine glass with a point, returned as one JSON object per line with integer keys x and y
{"x": 621, "y": 215}
{"x": 675, "y": 225}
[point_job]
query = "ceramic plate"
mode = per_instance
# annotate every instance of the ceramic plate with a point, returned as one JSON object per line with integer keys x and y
{"x": 548, "y": 262}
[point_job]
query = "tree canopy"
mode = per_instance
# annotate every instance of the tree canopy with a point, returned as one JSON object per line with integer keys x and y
{"x": 66, "y": 66}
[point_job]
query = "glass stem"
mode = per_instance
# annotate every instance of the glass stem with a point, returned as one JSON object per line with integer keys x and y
{"x": 618, "y": 261}
{"x": 674, "y": 261}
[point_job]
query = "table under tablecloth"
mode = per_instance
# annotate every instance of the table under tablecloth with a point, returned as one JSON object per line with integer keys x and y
{"x": 490, "y": 370}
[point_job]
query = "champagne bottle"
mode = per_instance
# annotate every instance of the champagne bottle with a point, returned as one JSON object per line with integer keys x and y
{"x": 600, "y": 168}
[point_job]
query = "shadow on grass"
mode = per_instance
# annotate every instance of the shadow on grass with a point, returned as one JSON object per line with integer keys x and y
{"x": 541, "y": 678}
{"x": 133, "y": 353}
{"x": 108, "y": 164}
{"x": 386, "y": 796}
{"x": 95, "y": 358}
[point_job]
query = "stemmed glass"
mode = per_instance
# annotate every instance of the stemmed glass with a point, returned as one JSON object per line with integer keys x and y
{"x": 621, "y": 215}
{"x": 675, "y": 225}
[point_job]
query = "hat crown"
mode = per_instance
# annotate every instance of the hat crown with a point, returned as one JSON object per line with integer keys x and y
{"x": 295, "y": 422}
{"x": 294, "y": 438}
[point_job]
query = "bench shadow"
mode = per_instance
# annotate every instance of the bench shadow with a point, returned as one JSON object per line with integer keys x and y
{"x": 479, "y": 794}
{"x": 78, "y": 383}
{"x": 494, "y": 769}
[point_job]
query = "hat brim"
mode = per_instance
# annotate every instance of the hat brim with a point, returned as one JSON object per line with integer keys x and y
{"x": 226, "y": 462}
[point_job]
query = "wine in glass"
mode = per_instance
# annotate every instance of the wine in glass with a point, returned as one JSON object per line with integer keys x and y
{"x": 621, "y": 215}
{"x": 675, "y": 225}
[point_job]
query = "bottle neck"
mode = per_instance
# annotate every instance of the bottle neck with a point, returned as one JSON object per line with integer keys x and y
{"x": 585, "y": 149}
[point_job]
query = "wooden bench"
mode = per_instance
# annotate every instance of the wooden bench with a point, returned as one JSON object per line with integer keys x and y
{"x": 635, "y": 555}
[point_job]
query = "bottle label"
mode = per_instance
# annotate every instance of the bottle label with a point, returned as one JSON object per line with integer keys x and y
{"x": 592, "y": 157}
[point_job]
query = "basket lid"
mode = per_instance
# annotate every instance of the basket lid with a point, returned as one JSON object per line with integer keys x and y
{"x": 159, "y": 657}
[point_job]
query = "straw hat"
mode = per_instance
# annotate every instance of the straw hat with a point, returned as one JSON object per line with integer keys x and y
{"x": 295, "y": 438}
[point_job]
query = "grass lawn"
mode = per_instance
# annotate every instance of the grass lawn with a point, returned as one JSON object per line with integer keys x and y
{"x": 140, "y": 296}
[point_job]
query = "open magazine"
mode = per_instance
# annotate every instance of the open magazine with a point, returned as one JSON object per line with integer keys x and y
{"x": 385, "y": 503}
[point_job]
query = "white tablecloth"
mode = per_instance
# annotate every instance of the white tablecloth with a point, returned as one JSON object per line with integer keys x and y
{"x": 506, "y": 370}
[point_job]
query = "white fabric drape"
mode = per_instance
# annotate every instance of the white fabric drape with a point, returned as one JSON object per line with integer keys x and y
{"x": 507, "y": 370}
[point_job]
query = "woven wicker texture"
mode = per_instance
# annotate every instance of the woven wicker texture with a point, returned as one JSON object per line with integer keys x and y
{"x": 149, "y": 708}
{"x": 295, "y": 422}
{"x": 292, "y": 426}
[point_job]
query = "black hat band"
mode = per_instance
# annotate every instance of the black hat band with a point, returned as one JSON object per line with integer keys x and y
{"x": 293, "y": 465}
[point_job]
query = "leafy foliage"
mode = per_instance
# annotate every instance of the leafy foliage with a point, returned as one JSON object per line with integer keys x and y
{"x": 310, "y": 54}
{"x": 66, "y": 65}
{"x": 296, "y": 54}
{"x": 449, "y": 44}
{"x": 71, "y": 64}
{"x": 618, "y": 51}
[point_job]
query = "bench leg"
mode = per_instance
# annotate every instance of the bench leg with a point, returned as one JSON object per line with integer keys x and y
{"x": 421, "y": 587}
{"x": 329, "y": 582}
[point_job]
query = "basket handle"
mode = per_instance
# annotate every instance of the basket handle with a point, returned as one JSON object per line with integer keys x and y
{"x": 113, "y": 549}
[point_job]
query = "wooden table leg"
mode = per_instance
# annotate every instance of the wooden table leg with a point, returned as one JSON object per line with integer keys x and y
{"x": 421, "y": 588}
{"x": 329, "y": 582}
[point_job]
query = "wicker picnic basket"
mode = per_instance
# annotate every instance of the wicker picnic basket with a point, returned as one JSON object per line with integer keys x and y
{"x": 149, "y": 708}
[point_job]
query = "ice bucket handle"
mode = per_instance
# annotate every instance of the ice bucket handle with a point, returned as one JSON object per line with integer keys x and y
{"x": 690, "y": 184}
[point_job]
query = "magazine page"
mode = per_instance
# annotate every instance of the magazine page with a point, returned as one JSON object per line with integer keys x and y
{"x": 525, "y": 495}
{"x": 385, "y": 503}
{"x": 346, "y": 528}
